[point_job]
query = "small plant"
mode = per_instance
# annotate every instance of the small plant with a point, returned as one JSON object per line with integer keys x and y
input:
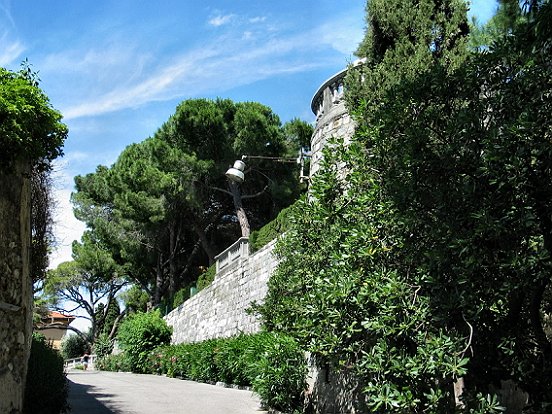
{"x": 206, "y": 278}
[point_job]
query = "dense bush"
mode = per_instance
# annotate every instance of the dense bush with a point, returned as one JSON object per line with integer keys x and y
{"x": 270, "y": 231}
{"x": 73, "y": 346}
{"x": 103, "y": 346}
{"x": 139, "y": 334}
{"x": 280, "y": 374}
{"x": 46, "y": 387}
{"x": 206, "y": 278}
{"x": 116, "y": 363}
{"x": 273, "y": 364}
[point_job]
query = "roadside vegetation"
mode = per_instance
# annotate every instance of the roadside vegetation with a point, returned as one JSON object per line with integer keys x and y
{"x": 272, "y": 364}
{"x": 422, "y": 256}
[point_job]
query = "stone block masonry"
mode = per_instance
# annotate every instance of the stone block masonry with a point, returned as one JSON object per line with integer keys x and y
{"x": 219, "y": 310}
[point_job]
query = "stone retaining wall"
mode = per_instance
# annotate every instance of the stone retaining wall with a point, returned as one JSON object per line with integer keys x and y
{"x": 219, "y": 310}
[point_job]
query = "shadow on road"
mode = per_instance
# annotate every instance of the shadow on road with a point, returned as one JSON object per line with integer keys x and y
{"x": 83, "y": 399}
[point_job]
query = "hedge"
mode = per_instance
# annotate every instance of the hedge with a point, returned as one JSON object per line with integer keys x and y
{"x": 273, "y": 364}
{"x": 46, "y": 387}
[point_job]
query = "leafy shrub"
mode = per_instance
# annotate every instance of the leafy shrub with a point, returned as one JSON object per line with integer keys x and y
{"x": 140, "y": 334}
{"x": 273, "y": 364}
{"x": 206, "y": 278}
{"x": 103, "y": 346}
{"x": 73, "y": 346}
{"x": 116, "y": 363}
{"x": 46, "y": 386}
{"x": 270, "y": 231}
{"x": 281, "y": 371}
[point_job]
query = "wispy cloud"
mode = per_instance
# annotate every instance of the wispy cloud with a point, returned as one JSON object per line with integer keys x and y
{"x": 10, "y": 50}
{"x": 236, "y": 57}
{"x": 221, "y": 20}
{"x": 257, "y": 19}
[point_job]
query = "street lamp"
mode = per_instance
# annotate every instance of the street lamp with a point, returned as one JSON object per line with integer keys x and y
{"x": 236, "y": 176}
{"x": 235, "y": 173}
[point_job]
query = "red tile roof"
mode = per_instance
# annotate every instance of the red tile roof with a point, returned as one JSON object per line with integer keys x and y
{"x": 58, "y": 315}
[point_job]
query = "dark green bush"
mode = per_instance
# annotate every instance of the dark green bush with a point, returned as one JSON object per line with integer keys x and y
{"x": 273, "y": 364}
{"x": 140, "y": 334}
{"x": 46, "y": 386}
{"x": 281, "y": 372}
{"x": 270, "y": 231}
{"x": 116, "y": 363}
{"x": 206, "y": 278}
{"x": 73, "y": 346}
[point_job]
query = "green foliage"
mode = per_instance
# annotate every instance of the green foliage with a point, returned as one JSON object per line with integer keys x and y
{"x": 106, "y": 317}
{"x": 139, "y": 334}
{"x": 423, "y": 253}
{"x": 46, "y": 386}
{"x": 103, "y": 346}
{"x": 73, "y": 346}
{"x": 269, "y": 231}
{"x": 135, "y": 299}
{"x": 30, "y": 129}
{"x": 273, "y": 364}
{"x": 207, "y": 277}
{"x": 281, "y": 373}
{"x": 115, "y": 363}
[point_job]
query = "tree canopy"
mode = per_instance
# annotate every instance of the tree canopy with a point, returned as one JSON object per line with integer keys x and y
{"x": 163, "y": 208}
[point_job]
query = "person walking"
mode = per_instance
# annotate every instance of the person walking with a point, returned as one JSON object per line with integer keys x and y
{"x": 85, "y": 358}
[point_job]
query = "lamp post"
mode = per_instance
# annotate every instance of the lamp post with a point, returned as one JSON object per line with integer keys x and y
{"x": 236, "y": 176}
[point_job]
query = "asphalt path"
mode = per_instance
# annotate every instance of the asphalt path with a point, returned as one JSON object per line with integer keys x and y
{"x": 98, "y": 392}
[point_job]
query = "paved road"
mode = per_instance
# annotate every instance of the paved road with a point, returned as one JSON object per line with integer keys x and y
{"x": 95, "y": 392}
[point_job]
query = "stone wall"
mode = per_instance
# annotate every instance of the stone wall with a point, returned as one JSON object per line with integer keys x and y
{"x": 219, "y": 310}
{"x": 15, "y": 286}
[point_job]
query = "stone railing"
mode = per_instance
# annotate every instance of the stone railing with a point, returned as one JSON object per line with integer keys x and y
{"x": 233, "y": 254}
{"x": 74, "y": 362}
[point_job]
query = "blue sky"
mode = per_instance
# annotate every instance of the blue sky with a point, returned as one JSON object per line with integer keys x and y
{"x": 117, "y": 69}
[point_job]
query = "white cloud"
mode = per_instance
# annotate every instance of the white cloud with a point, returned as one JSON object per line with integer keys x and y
{"x": 344, "y": 35}
{"x": 66, "y": 228}
{"x": 234, "y": 58}
{"x": 220, "y": 20}
{"x": 10, "y": 50}
{"x": 257, "y": 19}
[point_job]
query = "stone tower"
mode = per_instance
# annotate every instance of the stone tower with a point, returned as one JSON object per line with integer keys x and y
{"x": 332, "y": 118}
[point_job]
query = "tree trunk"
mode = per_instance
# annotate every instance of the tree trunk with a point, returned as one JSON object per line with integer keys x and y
{"x": 240, "y": 212}
{"x": 172, "y": 262}
{"x": 204, "y": 242}
{"x": 15, "y": 286}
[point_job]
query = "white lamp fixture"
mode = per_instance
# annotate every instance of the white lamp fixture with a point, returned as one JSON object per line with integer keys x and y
{"x": 235, "y": 173}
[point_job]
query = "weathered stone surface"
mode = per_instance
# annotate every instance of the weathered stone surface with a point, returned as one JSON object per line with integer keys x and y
{"x": 15, "y": 287}
{"x": 219, "y": 310}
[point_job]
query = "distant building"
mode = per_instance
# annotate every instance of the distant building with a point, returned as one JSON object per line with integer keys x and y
{"x": 54, "y": 327}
